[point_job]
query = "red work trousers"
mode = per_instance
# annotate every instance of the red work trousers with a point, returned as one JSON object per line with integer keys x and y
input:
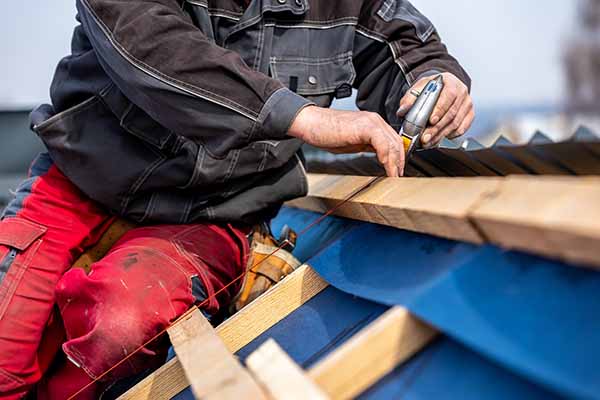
{"x": 149, "y": 278}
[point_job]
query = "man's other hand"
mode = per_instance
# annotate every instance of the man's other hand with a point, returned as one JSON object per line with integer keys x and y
{"x": 453, "y": 114}
{"x": 351, "y": 132}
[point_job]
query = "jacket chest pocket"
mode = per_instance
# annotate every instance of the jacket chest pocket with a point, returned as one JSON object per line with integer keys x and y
{"x": 312, "y": 77}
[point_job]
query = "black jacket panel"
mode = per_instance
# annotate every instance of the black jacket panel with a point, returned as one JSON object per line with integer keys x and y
{"x": 173, "y": 111}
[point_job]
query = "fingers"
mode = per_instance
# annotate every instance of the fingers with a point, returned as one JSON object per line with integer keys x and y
{"x": 432, "y": 135}
{"x": 396, "y": 147}
{"x": 390, "y": 155}
{"x": 454, "y": 124}
{"x": 446, "y": 104}
{"x": 453, "y": 114}
{"x": 388, "y": 148}
{"x": 409, "y": 98}
{"x": 465, "y": 125}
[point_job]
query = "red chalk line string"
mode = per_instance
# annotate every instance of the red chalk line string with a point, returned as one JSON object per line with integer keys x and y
{"x": 199, "y": 306}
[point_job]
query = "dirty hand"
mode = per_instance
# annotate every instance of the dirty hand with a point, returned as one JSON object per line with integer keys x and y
{"x": 453, "y": 114}
{"x": 351, "y": 132}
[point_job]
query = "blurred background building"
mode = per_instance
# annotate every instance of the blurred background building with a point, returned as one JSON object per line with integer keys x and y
{"x": 535, "y": 66}
{"x": 582, "y": 60}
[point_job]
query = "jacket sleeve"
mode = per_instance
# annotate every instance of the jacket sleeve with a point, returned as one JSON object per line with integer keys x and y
{"x": 170, "y": 69}
{"x": 395, "y": 46}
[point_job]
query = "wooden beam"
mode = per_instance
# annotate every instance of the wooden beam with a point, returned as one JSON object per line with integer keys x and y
{"x": 213, "y": 372}
{"x": 557, "y": 217}
{"x": 273, "y": 306}
{"x": 371, "y": 354}
{"x": 437, "y": 206}
{"x": 281, "y": 377}
{"x": 239, "y": 330}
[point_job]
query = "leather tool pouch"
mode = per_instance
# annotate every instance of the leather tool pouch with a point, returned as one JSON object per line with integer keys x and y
{"x": 270, "y": 262}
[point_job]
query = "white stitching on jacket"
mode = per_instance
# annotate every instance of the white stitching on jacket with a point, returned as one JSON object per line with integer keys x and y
{"x": 185, "y": 87}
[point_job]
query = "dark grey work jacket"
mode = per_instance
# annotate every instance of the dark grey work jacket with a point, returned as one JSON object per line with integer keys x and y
{"x": 175, "y": 111}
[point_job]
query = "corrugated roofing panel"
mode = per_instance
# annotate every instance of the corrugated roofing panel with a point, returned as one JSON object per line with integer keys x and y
{"x": 579, "y": 155}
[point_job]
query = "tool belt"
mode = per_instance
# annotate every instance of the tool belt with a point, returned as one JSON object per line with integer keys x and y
{"x": 270, "y": 261}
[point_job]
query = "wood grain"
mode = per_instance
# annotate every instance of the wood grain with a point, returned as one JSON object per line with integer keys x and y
{"x": 163, "y": 384}
{"x": 557, "y": 217}
{"x": 371, "y": 354}
{"x": 213, "y": 372}
{"x": 437, "y": 206}
{"x": 281, "y": 377}
{"x": 239, "y": 330}
{"x": 273, "y": 306}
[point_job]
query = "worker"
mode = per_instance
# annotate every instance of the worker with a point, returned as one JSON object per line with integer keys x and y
{"x": 187, "y": 118}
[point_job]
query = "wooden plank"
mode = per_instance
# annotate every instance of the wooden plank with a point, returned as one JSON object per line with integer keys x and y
{"x": 281, "y": 377}
{"x": 213, "y": 372}
{"x": 371, "y": 354}
{"x": 162, "y": 384}
{"x": 556, "y": 217}
{"x": 273, "y": 306}
{"x": 437, "y": 206}
{"x": 239, "y": 330}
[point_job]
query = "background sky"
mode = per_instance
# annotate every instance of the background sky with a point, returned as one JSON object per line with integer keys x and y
{"x": 511, "y": 48}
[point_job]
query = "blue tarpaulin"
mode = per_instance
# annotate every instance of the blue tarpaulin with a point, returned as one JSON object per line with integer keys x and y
{"x": 536, "y": 317}
{"x": 514, "y": 325}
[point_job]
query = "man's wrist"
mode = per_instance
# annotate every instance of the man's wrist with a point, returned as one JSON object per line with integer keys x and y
{"x": 303, "y": 122}
{"x": 279, "y": 112}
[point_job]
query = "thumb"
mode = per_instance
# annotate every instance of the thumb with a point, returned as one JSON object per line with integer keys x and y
{"x": 410, "y": 97}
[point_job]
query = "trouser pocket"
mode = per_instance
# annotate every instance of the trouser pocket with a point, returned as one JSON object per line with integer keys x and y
{"x": 21, "y": 238}
{"x": 19, "y": 242}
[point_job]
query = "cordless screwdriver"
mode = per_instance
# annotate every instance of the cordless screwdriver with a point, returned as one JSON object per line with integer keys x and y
{"x": 418, "y": 117}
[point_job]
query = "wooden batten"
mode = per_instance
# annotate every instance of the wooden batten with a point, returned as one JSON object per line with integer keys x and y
{"x": 239, "y": 330}
{"x": 558, "y": 217}
{"x": 371, "y": 354}
{"x": 273, "y": 306}
{"x": 213, "y": 372}
{"x": 437, "y": 206}
{"x": 280, "y": 376}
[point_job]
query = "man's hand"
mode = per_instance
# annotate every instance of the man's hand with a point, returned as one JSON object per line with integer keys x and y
{"x": 351, "y": 132}
{"x": 453, "y": 114}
